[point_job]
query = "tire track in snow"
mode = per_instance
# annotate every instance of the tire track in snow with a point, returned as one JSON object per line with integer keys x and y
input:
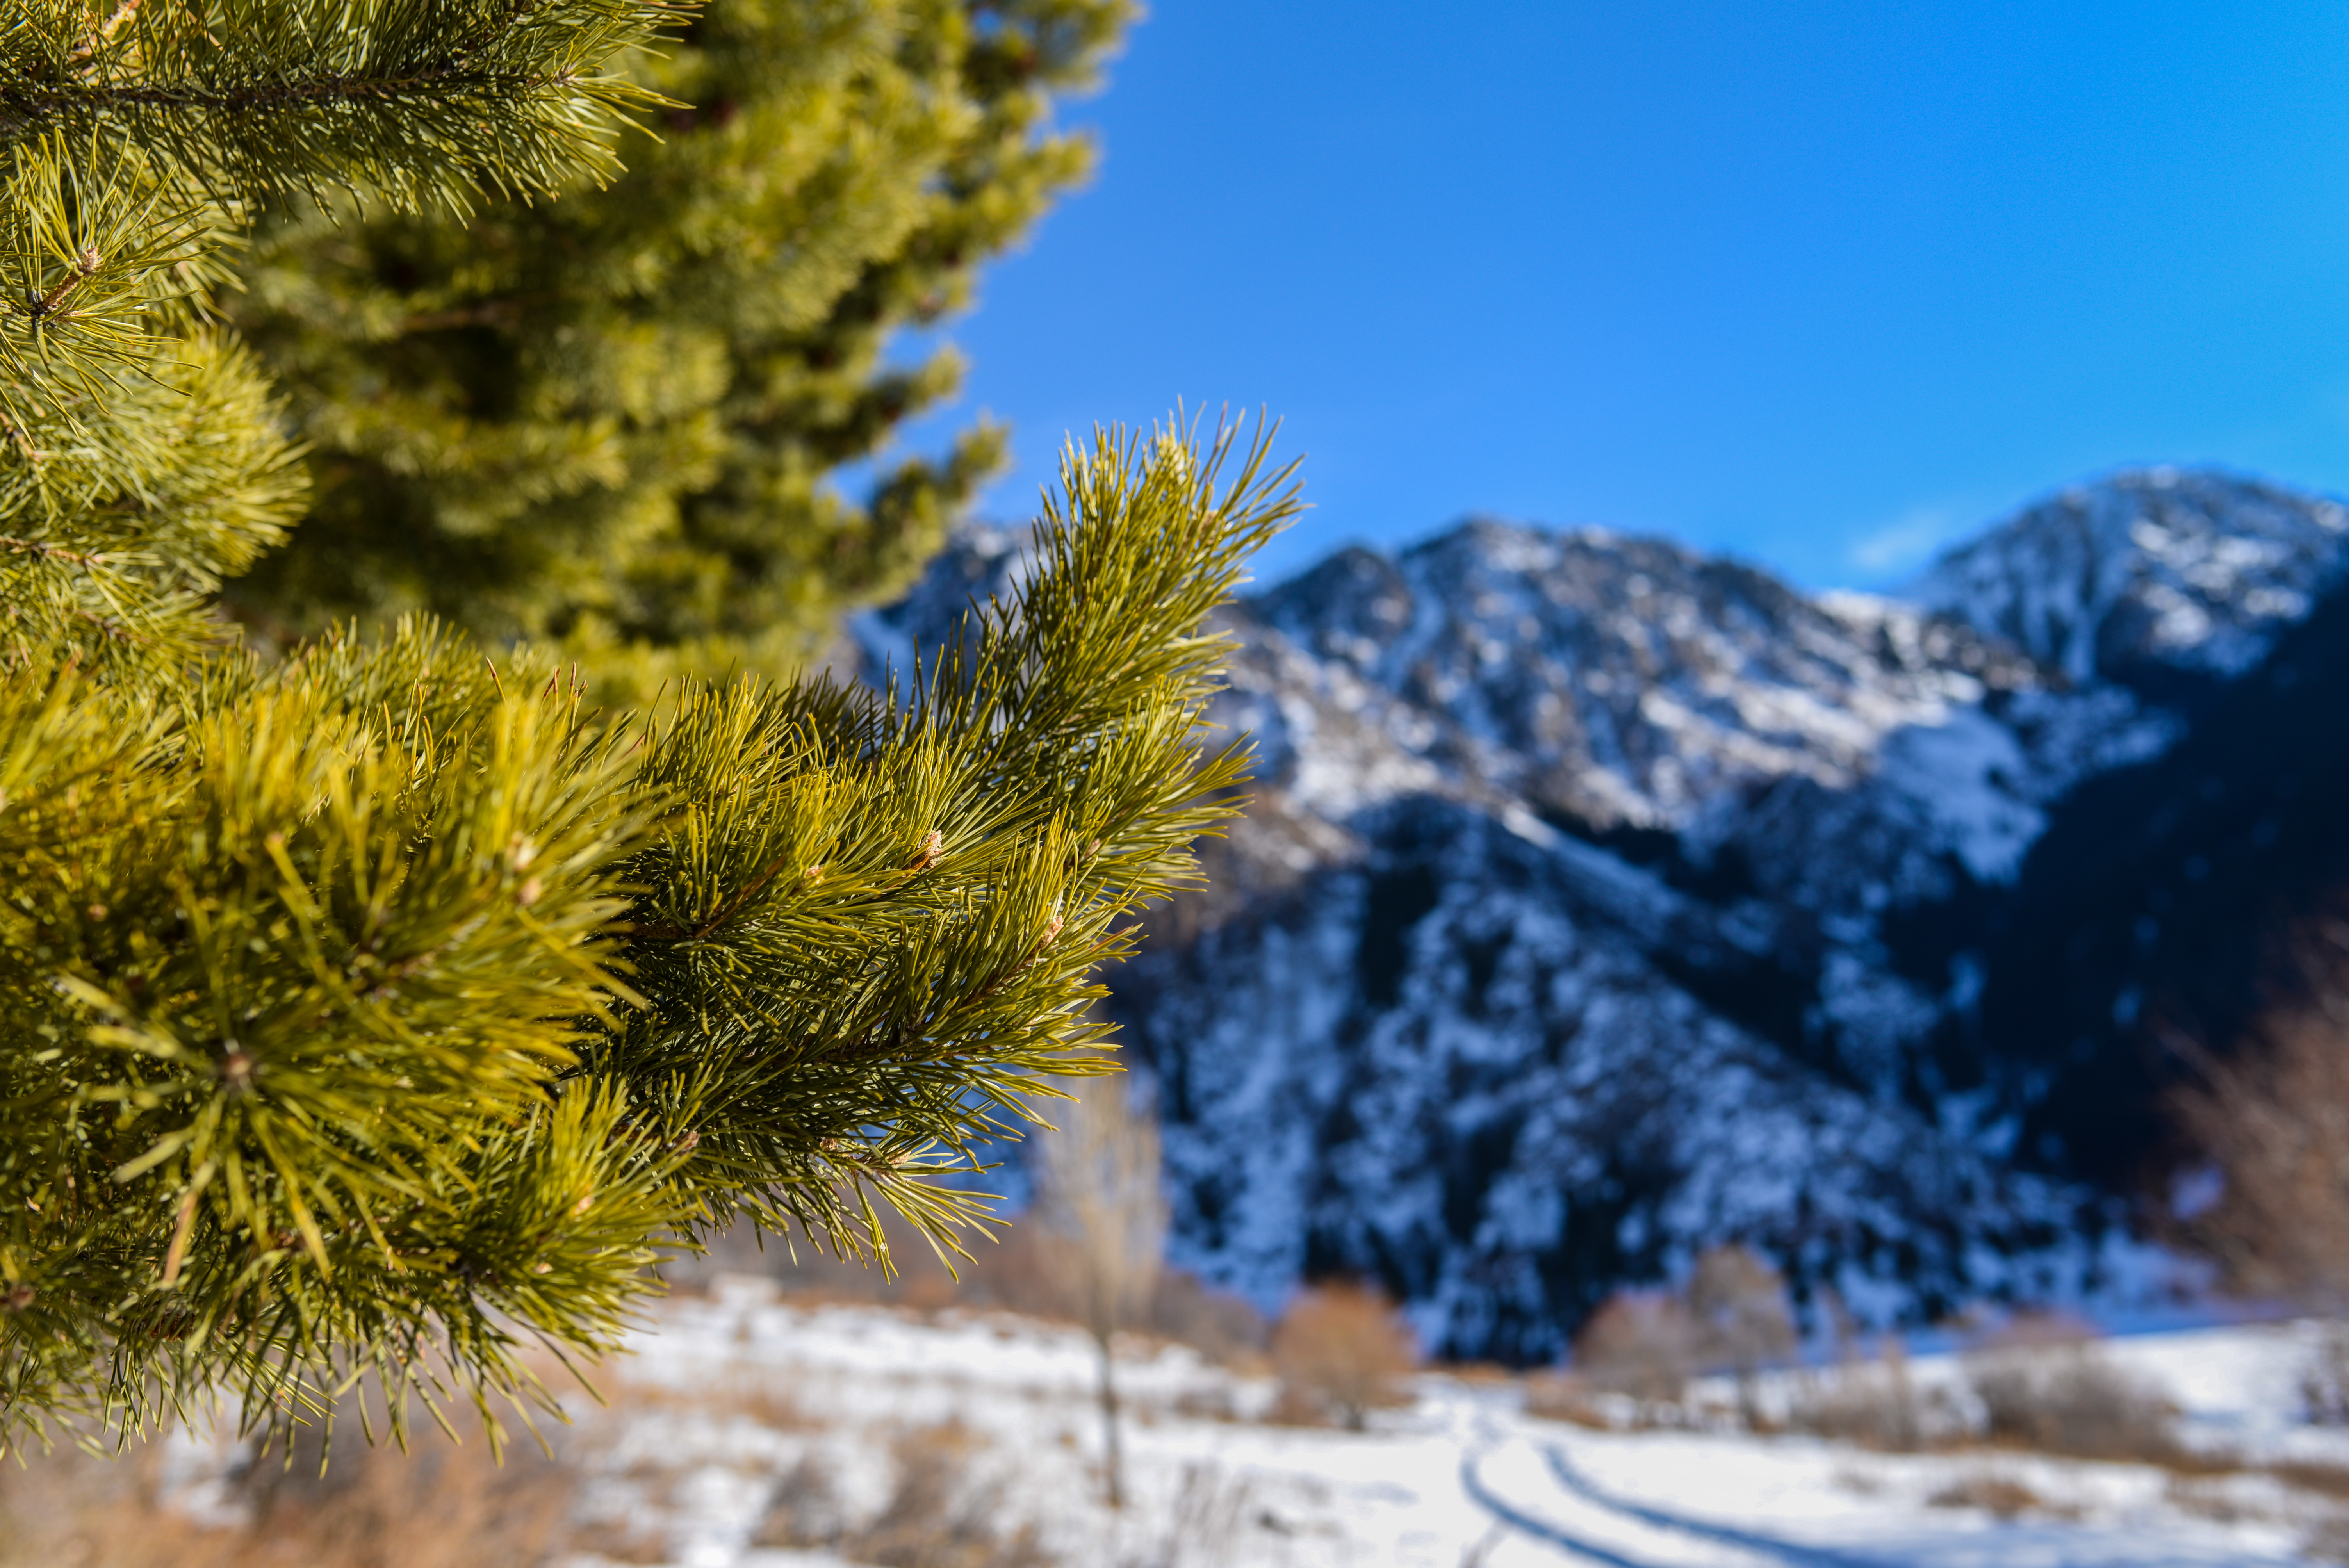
{"x": 1787, "y": 1551}
{"x": 1548, "y": 1534}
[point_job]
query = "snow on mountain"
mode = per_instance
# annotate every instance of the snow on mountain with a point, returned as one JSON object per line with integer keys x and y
{"x": 1601, "y": 901}
{"x": 2195, "y": 570}
{"x": 1623, "y": 681}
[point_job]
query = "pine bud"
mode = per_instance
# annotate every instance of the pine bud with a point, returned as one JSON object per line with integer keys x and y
{"x": 1175, "y": 457}
{"x": 88, "y": 261}
{"x": 586, "y": 1201}
{"x": 933, "y": 844}
{"x": 236, "y": 1071}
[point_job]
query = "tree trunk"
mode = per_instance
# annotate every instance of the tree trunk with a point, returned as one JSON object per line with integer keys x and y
{"x": 1115, "y": 1459}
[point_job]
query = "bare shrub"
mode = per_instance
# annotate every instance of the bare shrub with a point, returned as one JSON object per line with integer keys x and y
{"x": 804, "y": 1510}
{"x": 69, "y": 1507}
{"x": 941, "y": 1512}
{"x": 1873, "y": 1404}
{"x": 1294, "y": 1405}
{"x": 1344, "y": 1348}
{"x": 2324, "y": 1378}
{"x": 2329, "y": 1541}
{"x": 2204, "y": 1497}
{"x": 1210, "y": 1515}
{"x": 1564, "y": 1397}
{"x": 2000, "y": 1496}
{"x": 1859, "y": 1482}
{"x": 939, "y": 1515}
{"x": 1640, "y": 1343}
{"x": 2272, "y": 1120}
{"x": 1743, "y": 1320}
{"x": 2043, "y": 1384}
{"x": 1224, "y": 1327}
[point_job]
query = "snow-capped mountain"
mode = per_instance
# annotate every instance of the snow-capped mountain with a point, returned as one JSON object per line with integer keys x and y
{"x": 2154, "y": 570}
{"x": 1602, "y": 901}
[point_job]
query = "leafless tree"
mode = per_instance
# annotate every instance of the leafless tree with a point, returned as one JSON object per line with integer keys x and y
{"x": 1742, "y": 1318}
{"x": 1103, "y": 1213}
{"x": 2274, "y": 1120}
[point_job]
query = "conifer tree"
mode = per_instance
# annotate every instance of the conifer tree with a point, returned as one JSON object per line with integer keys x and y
{"x": 368, "y": 1013}
{"x": 610, "y": 418}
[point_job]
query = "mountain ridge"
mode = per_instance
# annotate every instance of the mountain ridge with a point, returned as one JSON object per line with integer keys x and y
{"x": 1602, "y": 900}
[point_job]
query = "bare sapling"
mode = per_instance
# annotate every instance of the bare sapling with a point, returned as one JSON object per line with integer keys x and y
{"x": 1102, "y": 1214}
{"x": 2044, "y": 1382}
{"x": 1744, "y": 1323}
{"x": 2271, "y": 1120}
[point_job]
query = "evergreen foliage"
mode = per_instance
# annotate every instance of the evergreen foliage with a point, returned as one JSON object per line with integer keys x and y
{"x": 371, "y": 1012}
{"x": 608, "y": 418}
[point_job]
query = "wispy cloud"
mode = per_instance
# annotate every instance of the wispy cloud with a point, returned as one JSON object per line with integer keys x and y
{"x": 1906, "y": 541}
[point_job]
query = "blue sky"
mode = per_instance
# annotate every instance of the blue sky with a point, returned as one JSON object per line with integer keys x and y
{"x": 1823, "y": 285}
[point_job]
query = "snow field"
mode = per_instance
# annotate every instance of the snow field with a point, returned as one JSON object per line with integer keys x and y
{"x": 729, "y": 1393}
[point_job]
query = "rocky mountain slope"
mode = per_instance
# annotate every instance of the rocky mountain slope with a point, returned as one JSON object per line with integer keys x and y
{"x": 1602, "y": 901}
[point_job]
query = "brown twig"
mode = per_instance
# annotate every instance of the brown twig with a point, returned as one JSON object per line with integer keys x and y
{"x": 43, "y": 551}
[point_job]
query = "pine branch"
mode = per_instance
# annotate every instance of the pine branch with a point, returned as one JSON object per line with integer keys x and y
{"x": 416, "y": 102}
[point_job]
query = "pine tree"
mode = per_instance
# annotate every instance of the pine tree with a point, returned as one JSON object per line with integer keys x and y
{"x": 610, "y": 418}
{"x": 374, "y": 1012}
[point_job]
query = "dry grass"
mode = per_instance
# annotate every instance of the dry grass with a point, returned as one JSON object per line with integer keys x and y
{"x": 1208, "y": 1402}
{"x": 760, "y": 1396}
{"x": 440, "y": 1506}
{"x": 2322, "y": 1477}
{"x": 2000, "y": 1496}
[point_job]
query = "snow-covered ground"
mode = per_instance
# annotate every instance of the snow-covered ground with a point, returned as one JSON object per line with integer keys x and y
{"x": 739, "y": 1402}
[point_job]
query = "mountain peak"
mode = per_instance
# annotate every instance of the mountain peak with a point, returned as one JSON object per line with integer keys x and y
{"x": 2147, "y": 573}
